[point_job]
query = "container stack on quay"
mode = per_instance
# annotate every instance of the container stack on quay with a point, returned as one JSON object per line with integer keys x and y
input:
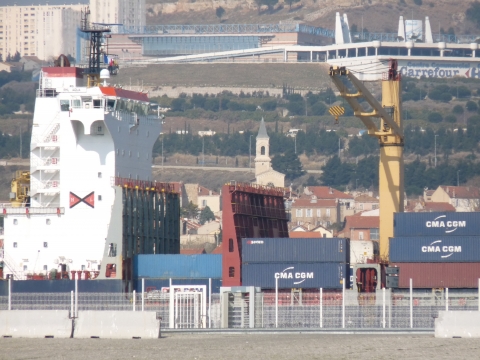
{"x": 306, "y": 263}
{"x": 437, "y": 249}
{"x": 157, "y": 270}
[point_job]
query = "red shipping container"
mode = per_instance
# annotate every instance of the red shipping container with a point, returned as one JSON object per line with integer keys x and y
{"x": 438, "y": 275}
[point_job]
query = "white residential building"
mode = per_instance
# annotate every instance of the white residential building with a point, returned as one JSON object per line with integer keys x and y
{"x": 40, "y": 28}
{"x": 129, "y": 13}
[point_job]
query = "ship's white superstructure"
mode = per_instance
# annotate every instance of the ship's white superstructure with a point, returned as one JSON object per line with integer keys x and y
{"x": 82, "y": 138}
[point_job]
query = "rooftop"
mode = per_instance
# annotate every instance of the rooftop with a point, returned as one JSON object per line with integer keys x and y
{"x": 326, "y": 192}
{"x": 462, "y": 192}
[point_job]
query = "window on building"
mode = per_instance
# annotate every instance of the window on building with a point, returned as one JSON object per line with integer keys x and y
{"x": 328, "y": 212}
{"x": 360, "y": 206}
{"x": 204, "y": 203}
{"x": 45, "y": 244}
{"x": 230, "y": 245}
{"x": 299, "y": 212}
{"x": 99, "y": 197}
{"x": 14, "y": 244}
{"x": 360, "y": 235}
{"x": 374, "y": 234}
{"x": 262, "y": 150}
{"x": 308, "y": 212}
{"x": 231, "y": 272}
{"x": 83, "y": 267}
{"x": 45, "y": 267}
{"x": 112, "y": 250}
{"x": 97, "y": 103}
{"x": 100, "y": 174}
{"x": 374, "y": 206}
{"x": 25, "y": 267}
{"x": 15, "y": 222}
{"x": 319, "y": 212}
{"x": 48, "y": 221}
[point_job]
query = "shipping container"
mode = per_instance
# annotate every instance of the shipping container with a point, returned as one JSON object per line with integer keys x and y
{"x": 177, "y": 266}
{"x": 437, "y": 224}
{"x": 447, "y": 249}
{"x": 435, "y": 275}
{"x": 162, "y": 284}
{"x": 270, "y": 250}
{"x": 361, "y": 251}
{"x": 296, "y": 275}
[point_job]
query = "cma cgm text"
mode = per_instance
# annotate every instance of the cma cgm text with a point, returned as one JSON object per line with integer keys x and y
{"x": 448, "y": 224}
{"x": 297, "y": 275}
{"x": 445, "y": 249}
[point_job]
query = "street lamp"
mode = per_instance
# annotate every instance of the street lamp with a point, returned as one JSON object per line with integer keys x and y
{"x": 436, "y": 150}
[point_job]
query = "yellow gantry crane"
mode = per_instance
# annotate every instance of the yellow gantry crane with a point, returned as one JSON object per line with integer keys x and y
{"x": 390, "y": 137}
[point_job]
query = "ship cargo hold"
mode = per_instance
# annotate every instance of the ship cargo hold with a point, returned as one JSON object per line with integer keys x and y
{"x": 437, "y": 224}
{"x": 435, "y": 249}
{"x": 272, "y": 250}
{"x": 249, "y": 211}
{"x": 295, "y": 275}
{"x": 438, "y": 275}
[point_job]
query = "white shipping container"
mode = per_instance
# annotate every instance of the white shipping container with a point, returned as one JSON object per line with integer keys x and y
{"x": 360, "y": 251}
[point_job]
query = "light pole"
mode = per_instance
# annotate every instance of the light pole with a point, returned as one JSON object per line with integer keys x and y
{"x": 436, "y": 150}
{"x": 250, "y": 154}
{"x": 162, "y": 151}
{"x": 458, "y": 179}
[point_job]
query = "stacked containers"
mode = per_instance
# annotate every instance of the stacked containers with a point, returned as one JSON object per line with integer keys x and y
{"x": 296, "y": 263}
{"x": 436, "y": 250}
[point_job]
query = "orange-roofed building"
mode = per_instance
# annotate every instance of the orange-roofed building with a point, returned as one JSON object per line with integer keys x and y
{"x": 361, "y": 228}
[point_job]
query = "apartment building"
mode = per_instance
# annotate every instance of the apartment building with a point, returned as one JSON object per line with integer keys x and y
{"x": 45, "y": 28}
{"x": 131, "y": 14}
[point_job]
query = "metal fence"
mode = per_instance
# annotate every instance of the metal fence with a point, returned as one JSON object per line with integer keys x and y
{"x": 312, "y": 310}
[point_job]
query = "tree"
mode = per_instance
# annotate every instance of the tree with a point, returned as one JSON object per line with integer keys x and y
{"x": 178, "y": 104}
{"x": 290, "y": 2}
{"x": 418, "y": 2}
{"x": 16, "y": 57}
{"x": 458, "y": 109}
{"x": 450, "y": 118}
{"x": 190, "y": 211}
{"x": 435, "y": 117}
{"x": 220, "y": 11}
{"x": 288, "y": 164}
{"x": 471, "y": 105}
{"x": 206, "y": 215}
{"x": 473, "y": 13}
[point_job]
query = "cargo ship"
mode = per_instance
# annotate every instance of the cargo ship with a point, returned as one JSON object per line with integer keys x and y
{"x": 88, "y": 203}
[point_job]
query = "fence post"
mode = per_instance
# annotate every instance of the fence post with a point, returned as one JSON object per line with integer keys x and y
{"x": 384, "y": 322}
{"x": 411, "y": 303}
{"x": 276, "y": 302}
{"x": 209, "y": 303}
{"x": 321, "y": 307}
{"x": 72, "y": 314}
{"x": 10, "y": 293}
{"x": 446, "y": 299}
{"x": 134, "y": 299}
{"x": 76, "y": 296}
{"x": 343, "y": 304}
{"x": 143, "y": 294}
{"x": 171, "y": 315}
{"x": 390, "y": 308}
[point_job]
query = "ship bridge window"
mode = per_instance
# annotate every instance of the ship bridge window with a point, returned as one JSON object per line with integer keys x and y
{"x": 97, "y": 104}
{"x": 76, "y": 104}
{"x": 64, "y": 105}
{"x": 110, "y": 105}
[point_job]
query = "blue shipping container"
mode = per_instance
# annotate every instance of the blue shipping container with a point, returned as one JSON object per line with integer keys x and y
{"x": 268, "y": 250}
{"x": 429, "y": 249}
{"x": 296, "y": 275}
{"x": 177, "y": 266}
{"x": 437, "y": 224}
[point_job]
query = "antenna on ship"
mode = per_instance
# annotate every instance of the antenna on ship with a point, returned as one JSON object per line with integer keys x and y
{"x": 96, "y": 52}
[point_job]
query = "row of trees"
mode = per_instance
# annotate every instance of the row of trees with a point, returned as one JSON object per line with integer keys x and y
{"x": 11, "y": 58}
{"x": 418, "y": 175}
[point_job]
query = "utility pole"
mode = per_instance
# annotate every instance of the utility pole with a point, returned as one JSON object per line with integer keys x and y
{"x": 436, "y": 150}
{"x": 162, "y": 151}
